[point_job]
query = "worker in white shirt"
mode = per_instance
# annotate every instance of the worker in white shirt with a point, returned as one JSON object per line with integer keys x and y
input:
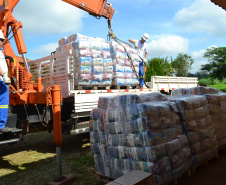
{"x": 4, "y": 89}
{"x": 142, "y": 52}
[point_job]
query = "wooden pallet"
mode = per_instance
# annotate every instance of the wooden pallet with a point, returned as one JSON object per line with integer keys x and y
{"x": 205, "y": 163}
{"x": 103, "y": 178}
{"x": 92, "y": 87}
{"x": 120, "y": 87}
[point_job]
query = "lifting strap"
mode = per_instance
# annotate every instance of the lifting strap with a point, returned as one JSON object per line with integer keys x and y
{"x": 111, "y": 35}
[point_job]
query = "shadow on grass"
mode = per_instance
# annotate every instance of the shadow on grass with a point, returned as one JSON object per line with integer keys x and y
{"x": 33, "y": 161}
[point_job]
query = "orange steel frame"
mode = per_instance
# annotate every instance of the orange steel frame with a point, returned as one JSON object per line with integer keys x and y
{"x": 24, "y": 91}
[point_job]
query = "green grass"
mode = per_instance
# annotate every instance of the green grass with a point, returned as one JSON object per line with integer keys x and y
{"x": 33, "y": 161}
{"x": 221, "y": 87}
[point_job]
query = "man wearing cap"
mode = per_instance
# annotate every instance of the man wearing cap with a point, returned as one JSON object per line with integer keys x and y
{"x": 4, "y": 89}
{"x": 142, "y": 53}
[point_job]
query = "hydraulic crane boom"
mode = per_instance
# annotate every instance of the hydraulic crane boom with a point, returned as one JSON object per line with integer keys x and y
{"x": 22, "y": 85}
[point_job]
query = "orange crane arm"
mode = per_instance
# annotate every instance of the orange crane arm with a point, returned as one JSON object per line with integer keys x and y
{"x": 97, "y": 8}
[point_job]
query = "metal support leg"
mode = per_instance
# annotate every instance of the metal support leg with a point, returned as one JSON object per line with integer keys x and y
{"x": 59, "y": 162}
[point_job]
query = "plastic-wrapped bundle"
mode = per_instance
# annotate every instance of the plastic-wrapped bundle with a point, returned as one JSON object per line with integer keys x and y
{"x": 138, "y": 153}
{"x": 173, "y": 147}
{"x": 156, "y": 152}
{"x": 118, "y": 81}
{"x": 117, "y": 140}
{"x": 118, "y": 55}
{"x": 113, "y": 128}
{"x": 127, "y": 69}
{"x": 177, "y": 160}
{"x": 96, "y": 125}
{"x": 118, "y": 61}
{"x": 150, "y": 97}
{"x": 95, "y": 46}
{"x": 84, "y": 70}
{"x": 108, "y": 69}
{"x": 82, "y": 45}
{"x": 107, "y": 76}
{"x": 83, "y": 61}
{"x": 82, "y": 53}
{"x": 107, "y": 62}
{"x": 128, "y": 100}
{"x": 136, "y": 126}
{"x": 105, "y": 46}
{"x": 62, "y": 41}
{"x": 204, "y": 156}
{"x": 77, "y": 36}
{"x": 152, "y": 138}
{"x": 180, "y": 171}
{"x": 114, "y": 114}
{"x": 218, "y": 112}
{"x": 135, "y": 82}
{"x": 171, "y": 133}
{"x": 97, "y": 70}
{"x": 135, "y": 57}
{"x": 136, "y": 111}
{"x": 128, "y": 76}
{"x": 115, "y": 47}
{"x": 193, "y": 137}
{"x": 97, "y": 148}
{"x": 136, "y": 140}
{"x": 162, "y": 179}
{"x": 162, "y": 166}
{"x": 94, "y": 137}
{"x": 84, "y": 77}
{"x": 106, "y": 54}
{"x": 98, "y": 112}
{"x": 195, "y": 91}
{"x": 96, "y": 53}
{"x": 113, "y": 151}
{"x": 118, "y": 68}
{"x": 97, "y": 77}
{"x": 107, "y": 102}
{"x": 118, "y": 75}
{"x": 183, "y": 140}
{"x": 97, "y": 62}
{"x": 127, "y": 81}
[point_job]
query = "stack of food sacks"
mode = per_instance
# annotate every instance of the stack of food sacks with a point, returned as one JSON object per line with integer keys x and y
{"x": 216, "y": 100}
{"x": 93, "y": 63}
{"x": 198, "y": 126}
{"x": 123, "y": 73}
{"x": 131, "y": 132}
{"x": 199, "y": 90}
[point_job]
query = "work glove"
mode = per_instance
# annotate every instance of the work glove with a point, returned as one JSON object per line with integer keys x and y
{"x": 6, "y": 79}
{"x": 136, "y": 45}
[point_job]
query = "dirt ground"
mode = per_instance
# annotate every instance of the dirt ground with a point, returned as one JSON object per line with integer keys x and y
{"x": 33, "y": 162}
{"x": 212, "y": 174}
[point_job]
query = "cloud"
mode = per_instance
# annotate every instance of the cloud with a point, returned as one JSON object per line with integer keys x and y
{"x": 168, "y": 46}
{"x": 134, "y": 3}
{"x": 202, "y": 16}
{"x": 45, "y": 50}
{"x": 48, "y": 17}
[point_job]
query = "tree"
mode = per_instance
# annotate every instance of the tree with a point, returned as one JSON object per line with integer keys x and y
{"x": 217, "y": 62}
{"x": 182, "y": 64}
{"x": 199, "y": 74}
{"x": 154, "y": 68}
{"x": 167, "y": 66}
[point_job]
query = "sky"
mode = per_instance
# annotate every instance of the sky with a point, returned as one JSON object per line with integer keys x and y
{"x": 174, "y": 26}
